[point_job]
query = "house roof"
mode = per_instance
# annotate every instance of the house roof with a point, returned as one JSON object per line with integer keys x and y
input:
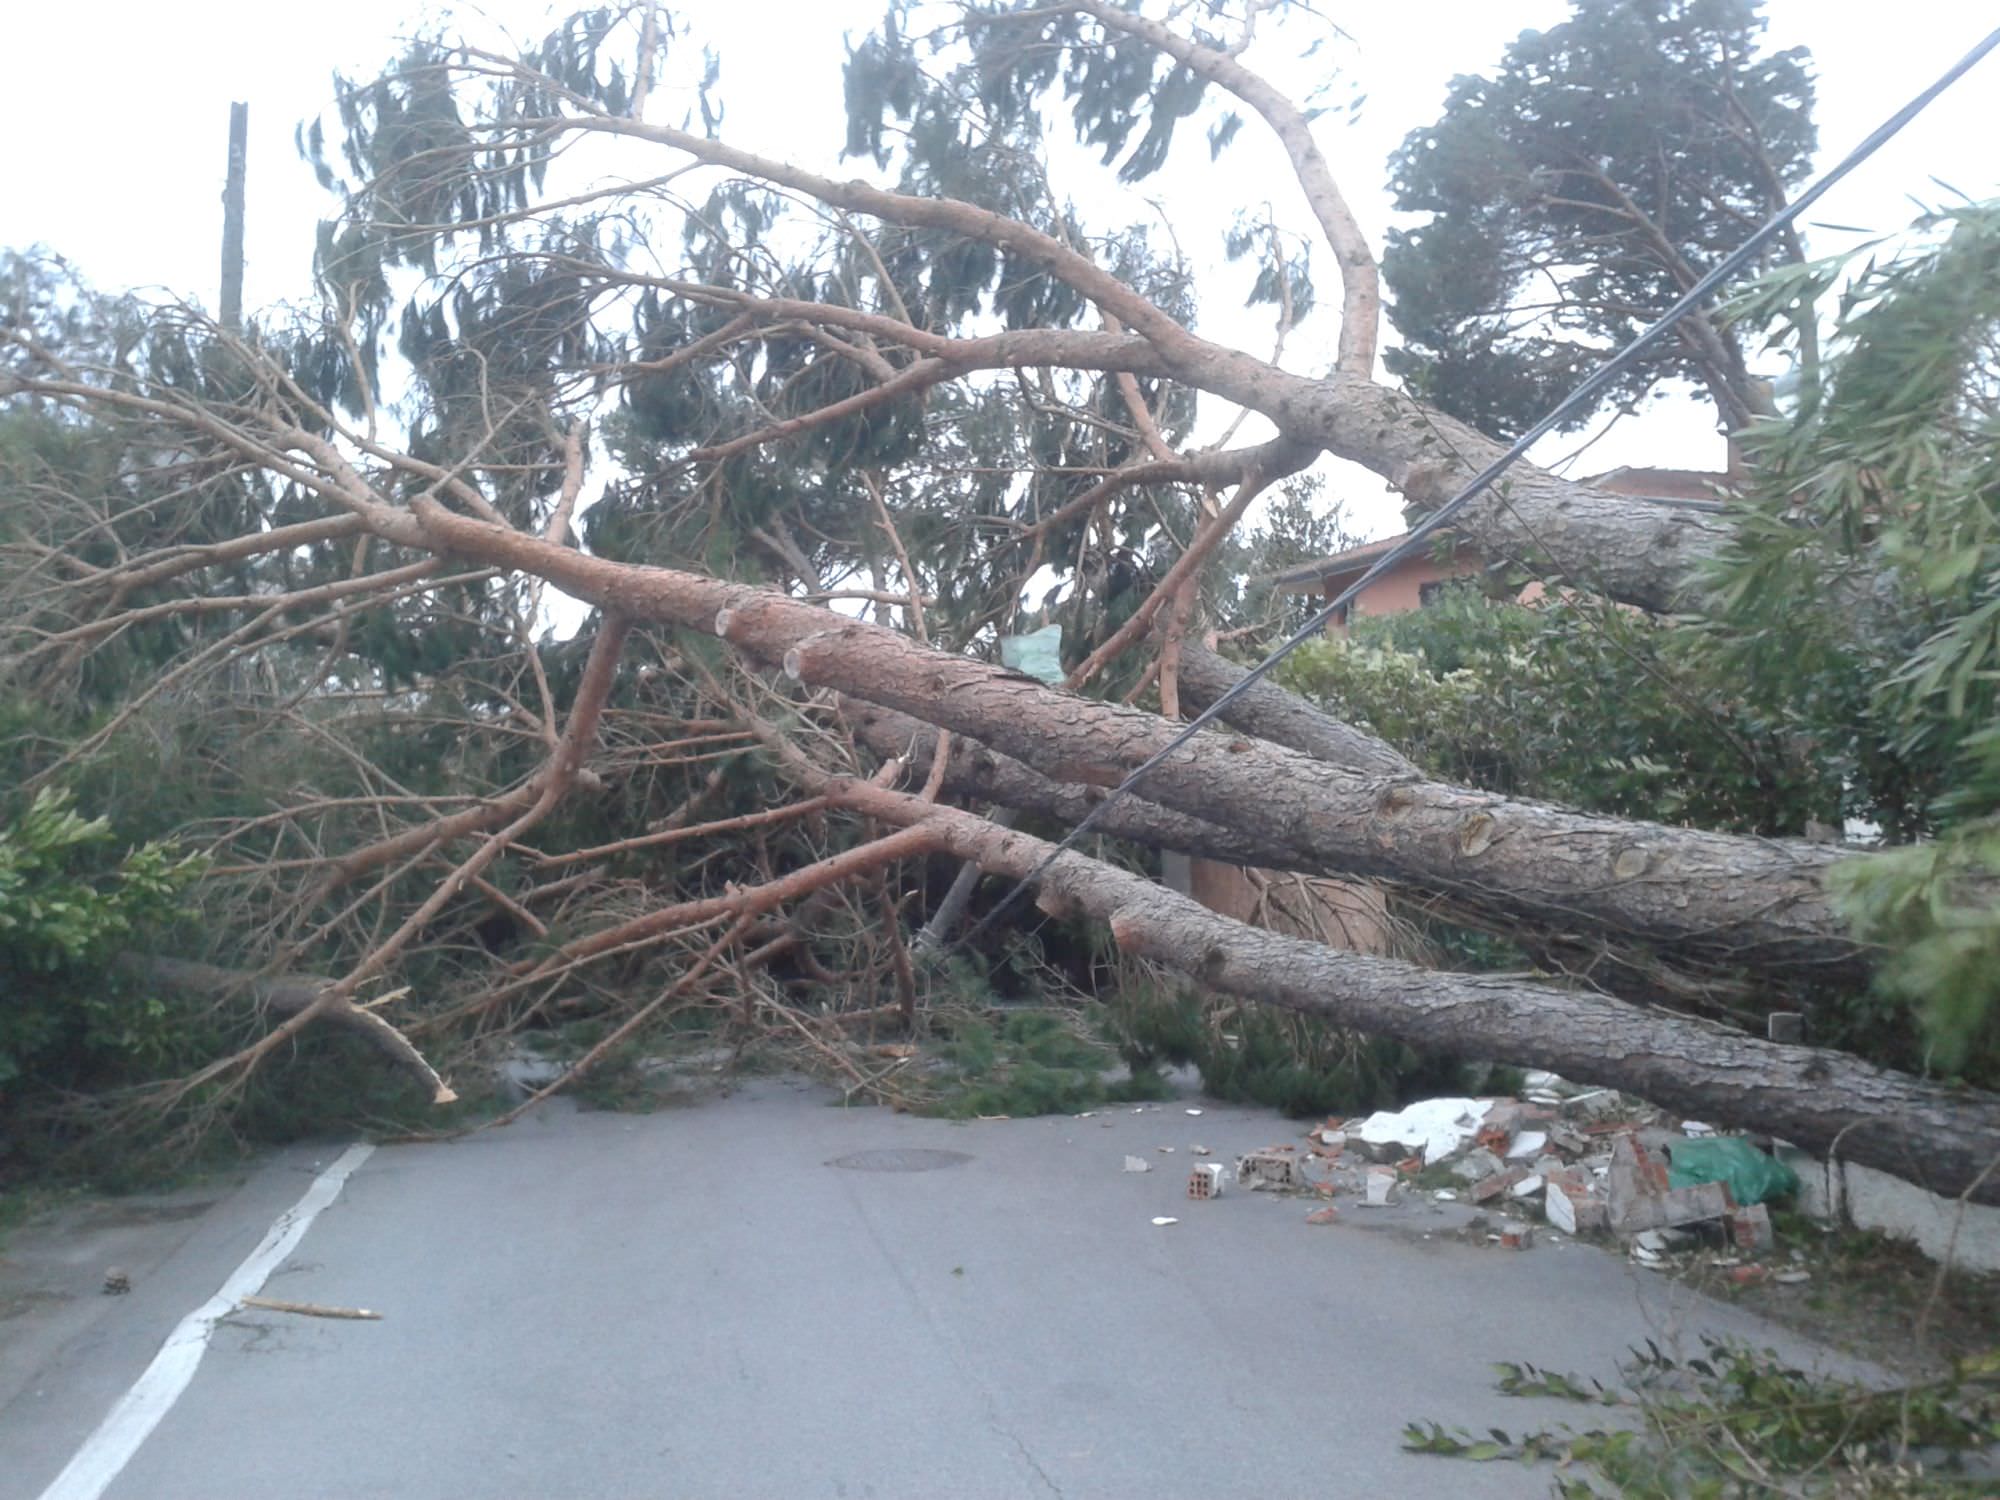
{"x": 1676, "y": 489}
{"x": 1306, "y": 576}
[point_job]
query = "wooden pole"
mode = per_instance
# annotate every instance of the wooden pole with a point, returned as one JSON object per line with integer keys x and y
{"x": 232, "y": 219}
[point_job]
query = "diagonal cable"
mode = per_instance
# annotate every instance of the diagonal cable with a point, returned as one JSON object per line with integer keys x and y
{"x": 1576, "y": 399}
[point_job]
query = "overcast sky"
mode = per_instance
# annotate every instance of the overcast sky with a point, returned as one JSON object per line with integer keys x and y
{"x": 115, "y": 117}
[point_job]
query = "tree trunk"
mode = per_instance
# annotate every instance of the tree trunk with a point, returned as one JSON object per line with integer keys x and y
{"x": 1945, "y": 1139}
{"x": 980, "y": 774}
{"x": 1626, "y": 549}
{"x": 1702, "y": 902}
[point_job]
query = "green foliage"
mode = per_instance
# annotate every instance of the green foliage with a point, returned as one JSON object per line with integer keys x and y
{"x": 1734, "y": 1421}
{"x": 1570, "y": 701}
{"x": 1931, "y": 906}
{"x": 66, "y": 911}
{"x": 1858, "y": 602}
{"x": 1032, "y": 1062}
{"x": 1575, "y": 194}
{"x": 1299, "y": 1065}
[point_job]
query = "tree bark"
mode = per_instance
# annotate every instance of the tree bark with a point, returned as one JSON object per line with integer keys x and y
{"x": 1624, "y": 548}
{"x": 980, "y": 774}
{"x": 289, "y": 995}
{"x": 1941, "y": 1138}
{"x": 1700, "y": 901}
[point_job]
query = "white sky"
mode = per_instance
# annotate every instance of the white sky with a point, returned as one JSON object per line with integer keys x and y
{"x": 116, "y": 118}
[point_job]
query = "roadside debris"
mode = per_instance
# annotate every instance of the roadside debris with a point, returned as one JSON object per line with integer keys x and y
{"x": 1162, "y": 1222}
{"x": 1750, "y": 1228}
{"x": 1752, "y": 1176}
{"x": 1274, "y": 1167}
{"x": 1206, "y": 1181}
{"x": 311, "y": 1309}
{"x": 1641, "y": 1198}
{"x": 1434, "y": 1128}
{"x": 1587, "y": 1162}
{"x": 116, "y": 1283}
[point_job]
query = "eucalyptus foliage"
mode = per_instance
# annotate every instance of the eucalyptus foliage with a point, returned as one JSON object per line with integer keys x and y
{"x": 1859, "y": 599}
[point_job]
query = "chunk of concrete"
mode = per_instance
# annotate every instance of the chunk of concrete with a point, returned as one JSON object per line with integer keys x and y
{"x": 1476, "y": 1165}
{"x": 1575, "y": 1207}
{"x": 1438, "y": 1128}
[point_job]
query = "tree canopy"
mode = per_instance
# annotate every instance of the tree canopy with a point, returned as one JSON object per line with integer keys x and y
{"x": 810, "y": 449}
{"x": 1605, "y": 166}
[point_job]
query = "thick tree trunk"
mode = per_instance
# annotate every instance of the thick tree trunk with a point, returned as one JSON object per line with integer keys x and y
{"x": 1626, "y": 549}
{"x": 1945, "y": 1139}
{"x": 1700, "y": 901}
{"x": 980, "y": 774}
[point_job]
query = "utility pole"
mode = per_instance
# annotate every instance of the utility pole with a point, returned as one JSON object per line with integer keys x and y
{"x": 232, "y": 219}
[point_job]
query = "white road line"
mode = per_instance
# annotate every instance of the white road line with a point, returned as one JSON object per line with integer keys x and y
{"x": 106, "y": 1452}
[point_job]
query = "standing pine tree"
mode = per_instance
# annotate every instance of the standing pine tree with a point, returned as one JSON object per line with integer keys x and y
{"x": 1576, "y": 193}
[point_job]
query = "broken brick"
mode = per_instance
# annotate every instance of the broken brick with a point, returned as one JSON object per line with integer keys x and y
{"x": 1273, "y": 1167}
{"x": 1750, "y": 1228}
{"x": 1640, "y": 1199}
{"x": 1492, "y": 1187}
{"x": 1205, "y": 1181}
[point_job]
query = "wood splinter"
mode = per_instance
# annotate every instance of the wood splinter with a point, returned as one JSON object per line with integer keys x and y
{"x": 311, "y": 1309}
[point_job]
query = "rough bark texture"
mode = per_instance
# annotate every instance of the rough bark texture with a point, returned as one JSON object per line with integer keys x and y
{"x": 983, "y": 775}
{"x": 1828, "y": 1102}
{"x": 1626, "y": 549}
{"x": 1703, "y": 900}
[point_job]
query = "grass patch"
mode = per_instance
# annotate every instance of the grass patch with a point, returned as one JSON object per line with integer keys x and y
{"x": 1301, "y": 1066}
{"x": 1031, "y": 1062}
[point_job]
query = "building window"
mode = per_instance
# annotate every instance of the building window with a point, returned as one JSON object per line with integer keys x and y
{"x": 1429, "y": 593}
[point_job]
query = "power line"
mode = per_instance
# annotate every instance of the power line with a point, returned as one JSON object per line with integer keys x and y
{"x": 1596, "y": 382}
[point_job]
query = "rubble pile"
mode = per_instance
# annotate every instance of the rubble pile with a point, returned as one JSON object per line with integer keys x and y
{"x": 1585, "y": 1162}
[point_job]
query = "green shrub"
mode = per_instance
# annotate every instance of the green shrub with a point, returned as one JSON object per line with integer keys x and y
{"x": 67, "y": 909}
{"x": 1299, "y": 1065}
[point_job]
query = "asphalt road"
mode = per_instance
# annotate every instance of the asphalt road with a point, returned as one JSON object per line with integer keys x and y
{"x": 703, "y": 1302}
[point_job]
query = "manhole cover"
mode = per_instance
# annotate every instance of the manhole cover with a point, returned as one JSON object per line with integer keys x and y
{"x": 902, "y": 1159}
